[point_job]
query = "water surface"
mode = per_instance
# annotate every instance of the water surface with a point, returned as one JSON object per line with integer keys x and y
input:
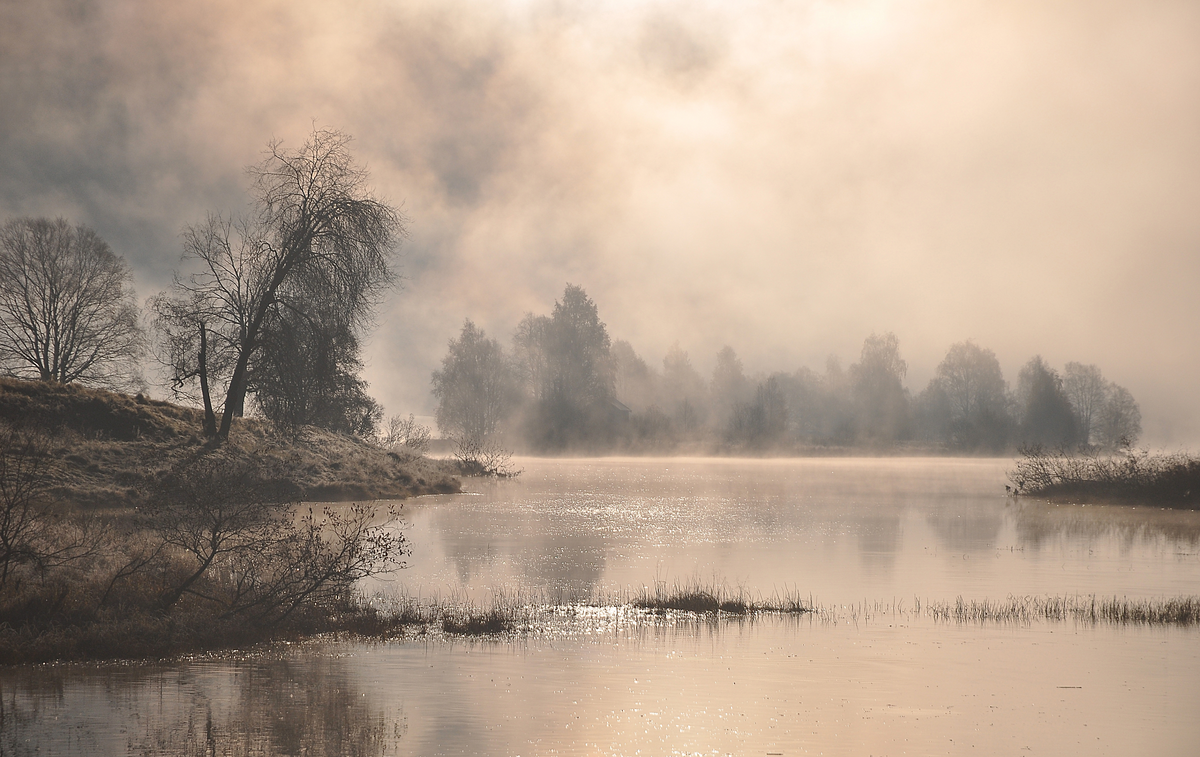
{"x": 867, "y": 539}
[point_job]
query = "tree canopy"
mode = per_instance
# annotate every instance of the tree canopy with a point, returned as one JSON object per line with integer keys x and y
{"x": 67, "y": 307}
{"x": 317, "y": 240}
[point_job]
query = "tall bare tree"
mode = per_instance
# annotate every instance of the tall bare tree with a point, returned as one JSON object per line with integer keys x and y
{"x": 67, "y": 307}
{"x": 316, "y": 231}
{"x": 1119, "y": 421}
{"x": 1088, "y": 392}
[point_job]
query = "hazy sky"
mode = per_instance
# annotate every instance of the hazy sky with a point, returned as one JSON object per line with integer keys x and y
{"x": 783, "y": 177}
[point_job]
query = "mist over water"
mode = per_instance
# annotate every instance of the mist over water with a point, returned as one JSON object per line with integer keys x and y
{"x": 782, "y": 178}
{"x": 869, "y": 674}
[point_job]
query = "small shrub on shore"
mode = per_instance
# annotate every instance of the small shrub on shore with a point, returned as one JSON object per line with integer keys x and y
{"x": 1132, "y": 477}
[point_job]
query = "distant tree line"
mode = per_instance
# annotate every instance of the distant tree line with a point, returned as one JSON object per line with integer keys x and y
{"x": 565, "y": 386}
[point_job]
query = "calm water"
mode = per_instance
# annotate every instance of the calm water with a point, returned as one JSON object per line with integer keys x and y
{"x": 866, "y": 539}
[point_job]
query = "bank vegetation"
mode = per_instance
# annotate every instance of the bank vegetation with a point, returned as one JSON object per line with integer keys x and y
{"x": 1131, "y": 477}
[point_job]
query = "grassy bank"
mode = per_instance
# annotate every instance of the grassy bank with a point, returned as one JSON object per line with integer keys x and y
{"x": 110, "y": 447}
{"x": 123, "y": 534}
{"x": 1131, "y": 478}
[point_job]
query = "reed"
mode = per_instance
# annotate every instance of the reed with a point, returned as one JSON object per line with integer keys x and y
{"x": 716, "y": 597}
{"x": 1177, "y": 611}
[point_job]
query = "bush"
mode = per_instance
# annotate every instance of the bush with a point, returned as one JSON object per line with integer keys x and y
{"x": 1132, "y": 477}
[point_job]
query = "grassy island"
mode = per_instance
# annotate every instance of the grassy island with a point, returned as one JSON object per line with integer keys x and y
{"x": 1127, "y": 478}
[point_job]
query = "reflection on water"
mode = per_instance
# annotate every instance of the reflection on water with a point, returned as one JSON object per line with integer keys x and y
{"x": 844, "y": 531}
{"x": 892, "y": 685}
{"x": 836, "y": 529}
{"x": 290, "y": 706}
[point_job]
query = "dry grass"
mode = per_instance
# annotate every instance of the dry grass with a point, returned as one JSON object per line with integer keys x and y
{"x": 715, "y": 597}
{"x": 1163, "y": 480}
{"x": 1175, "y": 611}
{"x": 110, "y": 447}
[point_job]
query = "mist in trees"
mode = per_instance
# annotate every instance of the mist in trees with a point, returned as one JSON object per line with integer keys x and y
{"x": 579, "y": 390}
{"x": 569, "y": 376}
{"x": 306, "y": 265}
{"x": 477, "y": 390}
{"x": 1045, "y": 411}
{"x": 67, "y": 307}
{"x": 966, "y": 405}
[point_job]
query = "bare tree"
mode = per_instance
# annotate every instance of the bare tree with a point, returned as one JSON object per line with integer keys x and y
{"x": 316, "y": 232}
{"x": 67, "y": 307}
{"x": 1088, "y": 392}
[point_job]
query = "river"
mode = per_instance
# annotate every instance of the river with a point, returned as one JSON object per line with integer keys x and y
{"x": 872, "y": 542}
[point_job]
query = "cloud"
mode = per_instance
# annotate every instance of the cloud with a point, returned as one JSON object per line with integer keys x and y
{"x": 781, "y": 177}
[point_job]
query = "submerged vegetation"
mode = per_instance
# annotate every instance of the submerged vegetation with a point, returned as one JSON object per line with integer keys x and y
{"x": 1131, "y": 477}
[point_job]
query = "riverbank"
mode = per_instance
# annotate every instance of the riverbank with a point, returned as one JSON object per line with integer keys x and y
{"x": 125, "y": 534}
{"x": 109, "y": 447}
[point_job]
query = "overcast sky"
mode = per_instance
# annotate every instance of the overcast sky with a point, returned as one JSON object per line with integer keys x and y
{"x": 783, "y": 177}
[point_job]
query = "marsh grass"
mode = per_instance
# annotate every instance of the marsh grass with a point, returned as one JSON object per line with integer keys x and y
{"x": 1176, "y": 611}
{"x": 715, "y": 597}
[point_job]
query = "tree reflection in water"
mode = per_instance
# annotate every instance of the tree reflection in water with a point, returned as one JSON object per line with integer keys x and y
{"x": 260, "y": 707}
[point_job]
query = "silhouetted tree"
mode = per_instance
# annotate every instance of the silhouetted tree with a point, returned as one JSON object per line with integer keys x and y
{"x": 315, "y": 231}
{"x": 683, "y": 391}
{"x": 67, "y": 307}
{"x": 530, "y": 341}
{"x": 762, "y": 422}
{"x": 975, "y": 396}
{"x": 475, "y": 388}
{"x": 307, "y": 373}
{"x": 1088, "y": 392}
{"x": 1120, "y": 420}
{"x": 1046, "y": 414}
{"x": 574, "y": 402}
{"x": 877, "y": 390}
{"x": 729, "y": 385}
{"x": 634, "y": 381}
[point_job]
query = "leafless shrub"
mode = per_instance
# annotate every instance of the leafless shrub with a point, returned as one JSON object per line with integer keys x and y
{"x": 32, "y": 531}
{"x": 481, "y": 457}
{"x": 406, "y": 432}
{"x": 1171, "y": 480}
{"x": 245, "y": 549}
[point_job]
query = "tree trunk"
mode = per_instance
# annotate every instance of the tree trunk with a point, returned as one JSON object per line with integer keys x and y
{"x": 210, "y": 419}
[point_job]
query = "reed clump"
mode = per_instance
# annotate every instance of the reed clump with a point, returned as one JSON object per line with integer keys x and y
{"x": 402, "y": 614}
{"x": 1129, "y": 477}
{"x": 1176, "y": 611}
{"x": 715, "y": 597}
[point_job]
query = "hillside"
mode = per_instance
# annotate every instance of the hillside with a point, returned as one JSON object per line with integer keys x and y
{"x": 110, "y": 447}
